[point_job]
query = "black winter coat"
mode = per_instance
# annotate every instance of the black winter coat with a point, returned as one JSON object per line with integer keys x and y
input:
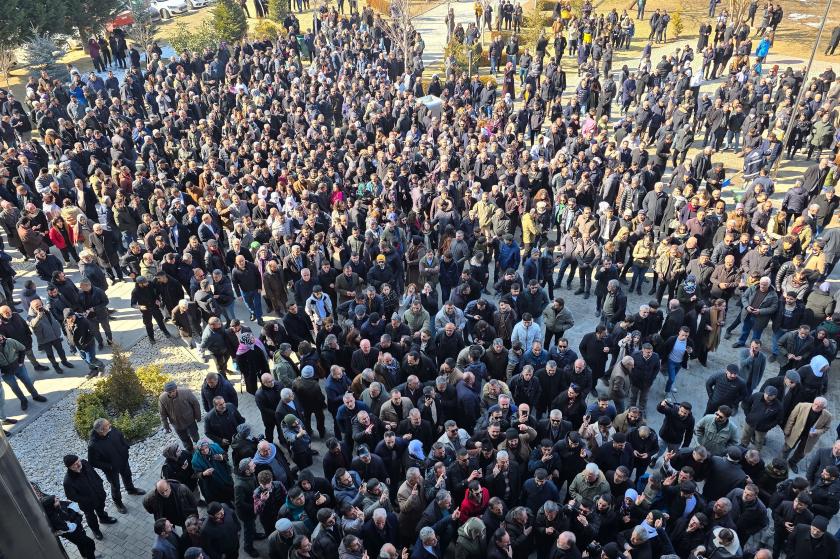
{"x": 108, "y": 453}
{"x": 84, "y": 487}
{"x": 760, "y": 414}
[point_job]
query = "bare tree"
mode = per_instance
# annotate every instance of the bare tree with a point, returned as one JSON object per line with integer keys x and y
{"x": 399, "y": 29}
{"x": 142, "y": 31}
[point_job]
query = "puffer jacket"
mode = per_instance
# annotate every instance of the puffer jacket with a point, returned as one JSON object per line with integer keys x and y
{"x": 762, "y": 415}
{"x": 45, "y": 327}
{"x": 12, "y": 353}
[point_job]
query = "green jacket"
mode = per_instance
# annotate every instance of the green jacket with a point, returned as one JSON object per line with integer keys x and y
{"x": 12, "y": 353}
{"x": 715, "y": 440}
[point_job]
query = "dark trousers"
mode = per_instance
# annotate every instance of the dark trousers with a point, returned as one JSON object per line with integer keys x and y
{"x": 51, "y": 349}
{"x": 585, "y": 279}
{"x": 114, "y": 479}
{"x": 94, "y": 513}
{"x": 87, "y": 547}
{"x": 549, "y": 335}
{"x": 671, "y": 286}
{"x": 188, "y": 436}
{"x": 270, "y": 425}
{"x": 319, "y": 420}
{"x": 155, "y": 313}
{"x": 566, "y": 263}
{"x": 102, "y": 320}
{"x": 221, "y": 360}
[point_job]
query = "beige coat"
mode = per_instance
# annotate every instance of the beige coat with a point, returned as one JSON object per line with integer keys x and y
{"x": 388, "y": 414}
{"x": 796, "y": 422}
{"x": 411, "y": 508}
{"x": 180, "y": 412}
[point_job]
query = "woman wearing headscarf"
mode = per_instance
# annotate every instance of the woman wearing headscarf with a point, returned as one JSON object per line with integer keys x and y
{"x": 814, "y": 378}
{"x": 251, "y": 360}
{"x": 177, "y": 465}
{"x": 66, "y": 520}
{"x": 243, "y": 444}
{"x": 472, "y": 540}
{"x": 215, "y": 480}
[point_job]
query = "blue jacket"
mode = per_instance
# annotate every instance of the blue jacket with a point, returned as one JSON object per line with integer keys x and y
{"x": 509, "y": 256}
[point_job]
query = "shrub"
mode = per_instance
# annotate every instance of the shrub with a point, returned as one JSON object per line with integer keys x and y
{"x": 152, "y": 378}
{"x": 677, "y": 25}
{"x": 460, "y": 56}
{"x": 43, "y": 52}
{"x": 277, "y": 10}
{"x": 127, "y": 397}
{"x": 194, "y": 39}
{"x": 121, "y": 389}
{"x": 266, "y": 29}
{"x": 89, "y": 407}
{"x": 137, "y": 426}
{"x": 229, "y": 21}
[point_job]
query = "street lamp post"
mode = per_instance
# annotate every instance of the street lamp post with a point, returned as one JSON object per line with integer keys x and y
{"x": 795, "y": 112}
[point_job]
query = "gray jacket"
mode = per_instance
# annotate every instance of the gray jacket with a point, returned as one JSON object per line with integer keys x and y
{"x": 45, "y": 327}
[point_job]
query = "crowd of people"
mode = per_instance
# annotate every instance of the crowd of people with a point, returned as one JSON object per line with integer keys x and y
{"x": 407, "y": 268}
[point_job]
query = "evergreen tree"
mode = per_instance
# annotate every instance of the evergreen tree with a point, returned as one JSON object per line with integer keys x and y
{"x": 277, "y": 10}
{"x": 229, "y": 21}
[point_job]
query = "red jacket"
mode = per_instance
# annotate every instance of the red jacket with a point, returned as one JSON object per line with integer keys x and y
{"x": 470, "y": 508}
{"x": 58, "y": 239}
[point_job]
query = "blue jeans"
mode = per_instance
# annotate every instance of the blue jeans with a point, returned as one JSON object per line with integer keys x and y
{"x": 227, "y": 311}
{"x": 494, "y": 64}
{"x": 22, "y": 374}
{"x": 253, "y": 301}
{"x": 638, "y": 275}
{"x": 777, "y": 334}
{"x": 747, "y": 327}
{"x": 673, "y": 369}
{"x": 88, "y": 355}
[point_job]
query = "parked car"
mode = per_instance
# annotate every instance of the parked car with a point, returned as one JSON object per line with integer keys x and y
{"x": 165, "y": 9}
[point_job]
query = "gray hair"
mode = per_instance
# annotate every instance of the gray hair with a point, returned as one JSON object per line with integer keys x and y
{"x": 613, "y": 283}
{"x": 592, "y": 468}
{"x": 380, "y": 513}
{"x": 441, "y": 496}
{"x": 502, "y": 454}
{"x": 287, "y": 394}
{"x": 99, "y": 424}
{"x": 640, "y": 533}
{"x": 426, "y": 534}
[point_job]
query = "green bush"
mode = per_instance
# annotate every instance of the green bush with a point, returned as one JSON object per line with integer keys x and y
{"x": 193, "y": 39}
{"x": 127, "y": 397}
{"x": 121, "y": 389}
{"x": 137, "y": 426}
{"x": 229, "y": 21}
{"x": 89, "y": 408}
{"x": 152, "y": 378}
{"x": 277, "y": 10}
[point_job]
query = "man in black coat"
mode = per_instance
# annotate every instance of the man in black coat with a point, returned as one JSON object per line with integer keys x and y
{"x": 146, "y": 299}
{"x": 104, "y": 244}
{"x": 725, "y": 474}
{"x": 678, "y": 426}
{"x": 748, "y": 512}
{"x": 84, "y": 486}
{"x": 267, "y": 399}
{"x": 108, "y": 451}
{"x": 726, "y": 388}
{"x": 220, "y": 533}
{"x": 217, "y": 385}
{"x": 595, "y": 350}
{"x": 763, "y": 412}
{"x": 171, "y": 500}
{"x": 812, "y": 541}
{"x": 220, "y": 423}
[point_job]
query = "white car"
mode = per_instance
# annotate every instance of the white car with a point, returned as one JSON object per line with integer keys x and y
{"x": 196, "y": 4}
{"x": 165, "y": 9}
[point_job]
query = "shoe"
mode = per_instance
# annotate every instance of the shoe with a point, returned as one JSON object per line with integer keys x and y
{"x": 167, "y": 335}
{"x": 261, "y": 322}
{"x": 772, "y": 358}
{"x": 579, "y": 292}
{"x": 101, "y": 347}
{"x": 40, "y": 367}
{"x": 9, "y": 421}
{"x": 97, "y": 534}
{"x": 6, "y": 434}
{"x": 727, "y": 336}
{"x": 108, "y": 520}
{"x": 24, "y": 405}
{"x": 737, "y": 344}
{"x": 597, "y": 313}
{"x": 68, "y": 364}
{"x": 252, "y": 552}
{"x": 253, "y": 317}
{"x": 314, "y": 452}
{"x": 58, "y": 370}
{"x": 152, "y": 341}
{"x": 39, "y": 398}
{"x": 793, "y": 467}
{"x": 109, "y": 342}
{"x": 92, "y": 374}
{"x": 136, "y": 491}
{"x": 201, "y": 503}
{"x": 121, "y": 508}
{"x": 586, "y": 295}
{"x": 652, "y": 291}
{"x": 639, "y": 291}
{"x": 568, "y": 285}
